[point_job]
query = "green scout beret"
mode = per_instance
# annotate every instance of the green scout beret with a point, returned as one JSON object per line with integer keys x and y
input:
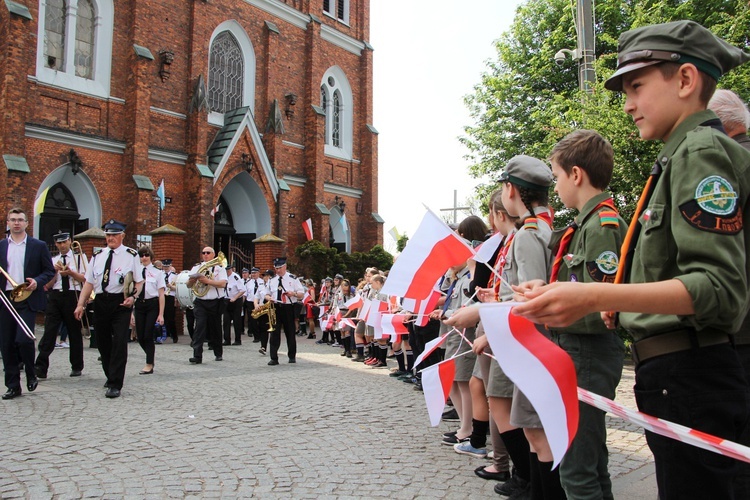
{"x": 679, "y": 42}
{"x": 527, "y": 172}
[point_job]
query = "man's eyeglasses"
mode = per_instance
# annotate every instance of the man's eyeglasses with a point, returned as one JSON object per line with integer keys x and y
{"x": 13, "y": 221}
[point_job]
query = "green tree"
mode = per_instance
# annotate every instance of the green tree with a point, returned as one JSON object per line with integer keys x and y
{"x": 401, "y": 243}
{"x": 525, "y": 103}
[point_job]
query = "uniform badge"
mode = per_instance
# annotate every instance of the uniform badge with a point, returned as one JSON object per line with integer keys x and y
{"x": 604, "y": 267}
{"x": 714, "y": 207}
{"x": 573, "y": 278}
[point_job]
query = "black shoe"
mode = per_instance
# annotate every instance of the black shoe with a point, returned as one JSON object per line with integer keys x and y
{"x": 196, "y": 361}
{"x": 510, "y": 486}
{"x": 39, "y": 373}
{"x": 113, "y": 393}
{"x": 418, "y": 385}
{"x": 292, "y": 360}
{"x": 496, "y": 476}
{"x": 450, "y": 416}
{"x": 12, "y": 393}
{"x": 226, "y": 343}
{"x": 273, "y": 362}
{"x": 32, "y": 383}
{"x": 358, "y": 359}
{"x": 219, "y": 358}
{"x": 146, "y": 372}
{"x": 174, "y": 340}
{"x": 255, "y": 341}
{"x": 311, "y": 336}
{"x": 237, "y": 343}
{"x": 106, "y": 385}
{"x": 75, "y": 373}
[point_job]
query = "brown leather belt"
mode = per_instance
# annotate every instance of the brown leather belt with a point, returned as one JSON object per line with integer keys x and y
{"x": 676, "y": 341}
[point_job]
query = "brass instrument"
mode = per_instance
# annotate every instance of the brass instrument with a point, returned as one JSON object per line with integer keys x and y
{"x": 77, "y": 250}
{"x": 128, "y": 285}
{"x": 19, "y": 292}
{"x": 201, "y": 289}
{"x": 269, "y": 309}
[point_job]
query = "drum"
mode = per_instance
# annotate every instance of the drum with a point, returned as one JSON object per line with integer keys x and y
{"x": 183, "y": 293}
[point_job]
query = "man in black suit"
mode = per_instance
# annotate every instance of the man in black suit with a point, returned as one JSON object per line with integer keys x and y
{"x": 26, "y": 260}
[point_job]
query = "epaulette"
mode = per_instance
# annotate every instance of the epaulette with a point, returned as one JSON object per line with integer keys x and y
{"x": 609, "y": 218}
{"x": 236, "y": 278}
{"x": 531, "y": 223}
{"x": 292, "y": 276}
{"x": 97, "y": 251}
{"x": 132, "y": 252}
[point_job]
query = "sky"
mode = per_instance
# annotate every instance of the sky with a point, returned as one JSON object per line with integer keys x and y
{"x": 429, "y": 54}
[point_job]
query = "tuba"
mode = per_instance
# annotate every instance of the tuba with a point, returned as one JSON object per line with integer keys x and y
{"x": 201, "y": 289}
{"x": 269, "y": 309}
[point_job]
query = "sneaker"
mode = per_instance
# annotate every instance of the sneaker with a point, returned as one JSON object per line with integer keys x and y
{"x": 379, "y": 364}
{"x": 511, "y": 486}
{"x": 453, "y": 440}
{"x": 358, "y": 359}
{"x": 58, "y": 345}
{"x": 397, "y": 373}
{"x": 450, "y": 416}
{"x": 320, "y": 342}
{"x": 466, "y": 448}
{"x": 449, "y": 434}
{"x": 335, "y": 344}
{"x": 262, "y": 350}
{"x": 490, "y": 455}
{"x": 64, "y": 345}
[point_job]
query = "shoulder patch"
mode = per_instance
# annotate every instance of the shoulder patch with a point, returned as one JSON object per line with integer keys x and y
{"x": 132, "y": 252}
{"x": 604, "y": 268}
{"x": 97, "y": 251}
{"x": 714, "y": 207}
{"x": 292, "y": 276}
{"x": 609, "y": 218}
{"x": 531, "y": 223}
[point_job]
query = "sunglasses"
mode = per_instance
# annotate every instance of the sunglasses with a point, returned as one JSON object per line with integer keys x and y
{"x": 206, "y": 253}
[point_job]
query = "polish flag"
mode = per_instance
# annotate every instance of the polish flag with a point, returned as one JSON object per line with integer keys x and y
{"x": 429, "y": 348}
{"x": 486, "y": 250}
{"x": 541, "y": 370}
{"x": 393, "y": 325}
{"x": 215, "y": 209}
{"x": 364, "y": 311}
{"x": 377, "y": 308}
{"x": 347, "y": 322}
{"x": 307, "y": 299}
{"x": 430, "y": 252}
{"x": 323, "y": 311}
{"x": 422, "y": 308}
{"x": 328, "y": 322}
{"x": 355, "y": 302}
{"x": 307, "y": 227}
{"x": 436, "y": 384}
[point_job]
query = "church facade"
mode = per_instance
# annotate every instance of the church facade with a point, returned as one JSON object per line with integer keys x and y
{"x": 242, "y": 118}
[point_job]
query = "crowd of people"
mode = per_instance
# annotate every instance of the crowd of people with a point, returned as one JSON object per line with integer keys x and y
{"x": 678, "y": 284}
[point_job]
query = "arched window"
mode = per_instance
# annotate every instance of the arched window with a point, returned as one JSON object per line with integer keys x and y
{"x": 74, "y": 45}
{"x": 336, "y": 100}
{"x": 54, "y": 34}
{"x": 225, "y": 74}
{"x": 231, "y": 71}
{"x": 84, "y": 50}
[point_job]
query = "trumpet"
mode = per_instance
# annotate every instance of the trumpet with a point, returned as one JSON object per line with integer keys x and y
{"x": 76, "y": 247}
{"x": 269, "y": 309}
{"x": 201, "y": 289}
{"x": 19, "y": 292}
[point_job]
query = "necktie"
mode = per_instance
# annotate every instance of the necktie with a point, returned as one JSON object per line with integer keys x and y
{"x": 65, "y": 279}
{"x": 631, "y": 238}
{"x": 255, "y": 287}
{"x": 279, "y": 290}
{"x": 142, "y": 295}
{"x": 107, "y": 266}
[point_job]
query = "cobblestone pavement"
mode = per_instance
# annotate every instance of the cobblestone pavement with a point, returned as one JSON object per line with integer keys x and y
{"x": 322, "y": 428}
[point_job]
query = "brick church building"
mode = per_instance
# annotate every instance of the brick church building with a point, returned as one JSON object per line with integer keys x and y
{"x": 256, "y": 114}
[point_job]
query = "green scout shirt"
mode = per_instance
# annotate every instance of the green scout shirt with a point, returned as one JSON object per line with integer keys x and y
{"x": 592, "y": 257}
{"x": 529, "y": 256}
{"x": 692, "y": 230}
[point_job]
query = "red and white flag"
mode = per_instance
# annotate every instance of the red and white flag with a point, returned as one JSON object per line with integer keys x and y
{"x": 436, "y": 384}
{"x": 307, "y": 227}
{"x": 430, "y": 252}
{"x": 347, "y": 322}
{"x": 377, "y": 308}
{"x": 328, "y": 322}
{"x": 364, "y": 311}
{"x": 393, "y": 325}
{"x": 355, "y": 302}
{"x": 215, "y": 209}
{"x": 486, "y": 250}
{"x": 323, "y": 311}
{"x": 422, "y": 308}
{"x": 307, "y": 299}
{"x": 429, "y": 348}
{"x": 541, "y": 370}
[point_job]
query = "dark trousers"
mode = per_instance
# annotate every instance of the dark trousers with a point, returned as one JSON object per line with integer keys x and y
{"x": 112, "y": 322}
{"x": 233, "y": 316}
{"x": 285, "y": 319}
{"x": 146, "y": 312}
{"x": 60, "y": 307}
{"x": 207, "y": 326}
{"x": 422, "y": 335}
{"x": 704, "y": 389}
{"x": 169, "y": 317}
{"x": 13, "y": 342}
{"x": 743, "y": 480}
{"x": 190, "y": 320}
{"x": 262, "y": 323}
{"x": 253, "y": 325}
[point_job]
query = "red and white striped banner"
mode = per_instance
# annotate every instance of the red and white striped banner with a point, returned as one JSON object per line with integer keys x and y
{"x": 667, "y": 428}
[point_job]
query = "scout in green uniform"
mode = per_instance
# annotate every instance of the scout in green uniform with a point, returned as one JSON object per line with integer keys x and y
{"x": 684, "y": 256}
{"x": 587, "y": 251}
